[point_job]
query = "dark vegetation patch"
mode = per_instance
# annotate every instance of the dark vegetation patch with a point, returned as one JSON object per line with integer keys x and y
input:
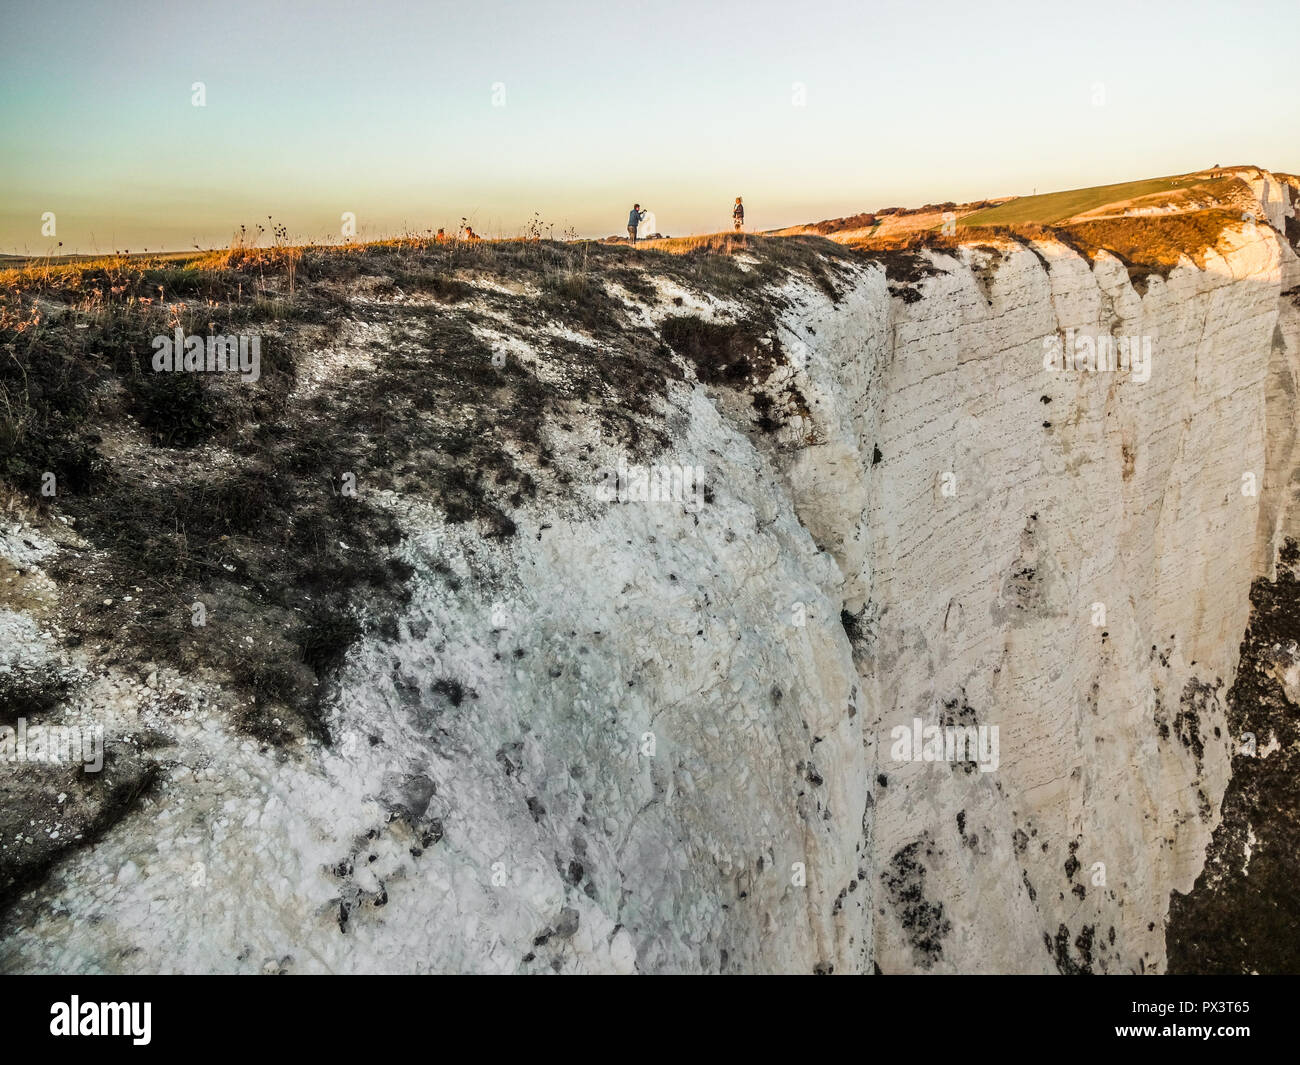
{"x": 737, "y": 354}
{"x": 857, "y": 630}
{"x": 449, "y": 689}
{"x": 581, "y": 299}
{"x": 636, "y": 283}
{"x": 435, "y": 283}
{"x": 1198, "y": 700}
{"x": 905, "y": 266}
{"x": 841, "y": 225}
{"x": 356, "y": 894}
{"x": 46, "y": 389}
{"x": 1059, "y": 948}
{"x": 258, "y": 549}
{"x": 1160, "y": 718}
{"x": 957, "y": 712}
{"x": 177, "y": 409}
{"x": 742, "y": 356}
{"x": 923, "y": 920}
{"x": 30, "y": 692}
{"x": 933, "y": 208}
{"x": 1072, "y": 862}
{"x": 263, "y": 554}
{"x": 1029, "y": 888}
{"x": 1232, "y": 922}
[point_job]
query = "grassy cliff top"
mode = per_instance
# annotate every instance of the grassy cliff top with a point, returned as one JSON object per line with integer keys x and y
{"x": 453, "y": 373}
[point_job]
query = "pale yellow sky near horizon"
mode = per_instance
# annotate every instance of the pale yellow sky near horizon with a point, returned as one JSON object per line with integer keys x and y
{"x": 139, "y": 125}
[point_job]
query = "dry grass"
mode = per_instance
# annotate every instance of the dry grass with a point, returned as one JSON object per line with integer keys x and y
{"x": 1152, "y": 244}
{"x": 1146, "y": 244}
{"x": 722, "y": 243}
{"x": 266, "y": 279}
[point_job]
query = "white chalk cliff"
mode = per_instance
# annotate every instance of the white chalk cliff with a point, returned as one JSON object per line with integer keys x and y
{"x": 656, "y": 736}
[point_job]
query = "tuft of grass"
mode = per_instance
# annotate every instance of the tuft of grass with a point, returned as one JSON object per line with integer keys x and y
{"x": 178, "y": 409}
{"x": 580, "y": 298}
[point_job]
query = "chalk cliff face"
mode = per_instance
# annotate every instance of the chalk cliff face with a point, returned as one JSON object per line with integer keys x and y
{"x": 1060, "y": 554}
{"x": 659, "y": 734}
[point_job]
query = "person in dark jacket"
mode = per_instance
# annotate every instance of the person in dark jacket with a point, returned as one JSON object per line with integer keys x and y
{"x": 634, "y": 220}
{"x": 738, "y": 215}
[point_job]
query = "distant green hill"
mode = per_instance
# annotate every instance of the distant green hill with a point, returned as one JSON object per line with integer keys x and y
{"x": 1053, "y": 207}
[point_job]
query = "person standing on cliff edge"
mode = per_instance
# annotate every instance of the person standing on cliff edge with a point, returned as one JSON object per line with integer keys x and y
{"x": 738, "y": 215}
{"x": 634, "y": 220}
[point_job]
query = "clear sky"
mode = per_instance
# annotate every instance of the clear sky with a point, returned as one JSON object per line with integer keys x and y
{"x": 387, "y": 109}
